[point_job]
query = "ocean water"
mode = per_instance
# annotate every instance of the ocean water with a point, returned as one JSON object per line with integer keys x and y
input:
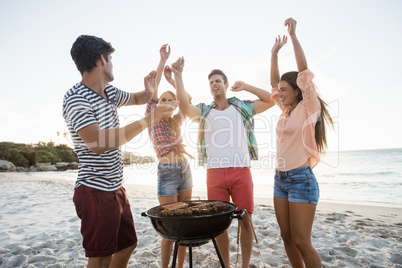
{"x": 367, "y": 177}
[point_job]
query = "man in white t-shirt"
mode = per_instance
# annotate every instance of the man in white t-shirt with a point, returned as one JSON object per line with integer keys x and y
{"x": 226, "y": 144}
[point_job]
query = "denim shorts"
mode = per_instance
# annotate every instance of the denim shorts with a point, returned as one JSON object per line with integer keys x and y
{"x": 174, "y": 178}
{"x": 297, "y": 185}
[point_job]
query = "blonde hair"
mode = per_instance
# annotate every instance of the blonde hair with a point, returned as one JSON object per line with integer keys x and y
{"x": 172, "y": 123}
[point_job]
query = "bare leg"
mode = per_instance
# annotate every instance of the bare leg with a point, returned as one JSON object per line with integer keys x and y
{"x": 99, "y": 262}
{"x": 223, "y": 245}
{"x": 246, "y": 240}
{"x": 183, "y": 196}
{"x": 118, "y": 260}
{"x": 282, "y": 213}
{"x": 166, "y": 245}
{"x": 121, "y": 258}
{"x": 166, "y": 251}
{"x": 302, "y": 218}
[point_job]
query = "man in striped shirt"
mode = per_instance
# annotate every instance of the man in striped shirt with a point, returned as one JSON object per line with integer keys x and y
{"x": 90, "y": 112}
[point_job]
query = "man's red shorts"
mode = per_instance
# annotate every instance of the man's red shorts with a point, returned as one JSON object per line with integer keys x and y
{"x": 107, "y": 224}
{"x": 235, "y": 182}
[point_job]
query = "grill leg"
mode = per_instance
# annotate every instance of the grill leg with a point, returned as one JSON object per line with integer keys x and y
{"x": 176, "y": 247}
{"x": 218, "y": 252}
{"x": 190, "y": 256}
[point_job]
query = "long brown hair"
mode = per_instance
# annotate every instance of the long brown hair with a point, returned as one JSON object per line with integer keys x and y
{"x": 320, "y": 131}
{"x": 172, "y": 123}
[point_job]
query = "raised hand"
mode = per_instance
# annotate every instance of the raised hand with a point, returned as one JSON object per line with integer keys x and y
{"x": 291, "y": 23}
{"x": 239, "y": 86}
{"x": 165, "y": 52}
{"x": 150, "y": 83}
{"x": 167, "y": 71}
{"x": 279, "y": 43}
{"x": 163, "y": 110}
{"x": 177, "y": 66}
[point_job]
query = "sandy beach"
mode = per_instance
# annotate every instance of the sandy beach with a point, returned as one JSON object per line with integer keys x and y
{"x": 39, "y": 228}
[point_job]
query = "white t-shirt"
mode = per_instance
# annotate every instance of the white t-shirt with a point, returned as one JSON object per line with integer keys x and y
{"x": 225, "y": 139}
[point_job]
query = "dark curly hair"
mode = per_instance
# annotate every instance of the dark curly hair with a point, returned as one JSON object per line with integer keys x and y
{"x": 87, "y": 50}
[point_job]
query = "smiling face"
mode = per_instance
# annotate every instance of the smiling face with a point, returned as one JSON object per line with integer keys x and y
{"x": 167, "y": 98}
{"x": 287, "y": 95}
{"x": 217, "y": 86}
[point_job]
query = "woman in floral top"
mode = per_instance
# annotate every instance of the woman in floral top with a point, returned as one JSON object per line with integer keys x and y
{"x": 300, "y": 140}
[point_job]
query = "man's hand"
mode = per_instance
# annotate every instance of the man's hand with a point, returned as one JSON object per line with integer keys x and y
{"x": 165, "y": 52}
{"x": 279, "y": 43}
{"x": 239, "y": 86}
{"x": 162, "y": 111}
{"x": 150, "y": 83}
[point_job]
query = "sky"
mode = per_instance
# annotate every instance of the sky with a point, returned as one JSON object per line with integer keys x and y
{"x": 352, "y": 47}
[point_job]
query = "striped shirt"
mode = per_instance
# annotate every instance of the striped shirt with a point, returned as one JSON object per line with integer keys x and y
{"x": 83, "y": 107}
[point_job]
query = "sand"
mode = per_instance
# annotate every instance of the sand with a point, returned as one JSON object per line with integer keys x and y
{"x": 39, "y": 228}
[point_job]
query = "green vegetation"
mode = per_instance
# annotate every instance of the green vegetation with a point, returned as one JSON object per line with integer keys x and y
{"x": 26, "y": 155}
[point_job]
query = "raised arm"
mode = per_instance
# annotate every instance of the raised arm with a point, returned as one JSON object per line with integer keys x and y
{"x": 264, "y": 100}
{"x": 168, "y": 75}
{"x": 165, "y": 53}
{"x": 145, "y": 95}
{"x": 186, "y": 107}
{"x": 275, "y": 76}
{"x": 101, "y": 140}
{"x": 299, "y": 53}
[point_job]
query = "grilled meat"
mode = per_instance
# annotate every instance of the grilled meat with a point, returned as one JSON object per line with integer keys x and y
{"x": 192, "y": 208}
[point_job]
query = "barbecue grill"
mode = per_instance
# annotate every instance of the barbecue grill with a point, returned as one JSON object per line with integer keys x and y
{"x": 193, "y": 230}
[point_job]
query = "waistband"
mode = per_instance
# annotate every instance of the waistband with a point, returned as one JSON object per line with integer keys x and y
{"x": 293, "y": 171}
{"x": 83, "y": 188}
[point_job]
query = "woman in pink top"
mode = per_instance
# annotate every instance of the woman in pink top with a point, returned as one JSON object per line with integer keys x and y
{"x": 300, "y": 140}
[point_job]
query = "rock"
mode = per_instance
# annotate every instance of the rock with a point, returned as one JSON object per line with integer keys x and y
{"x": 72, "y": 165}
{"x": 61, "y": 166}
{"x": 33, "y": 169}
{"x": 46, "y": 168}
{"x": 22, "y": 169}
{"x": 6, "y": 166}
{"x": 43, "y": 164}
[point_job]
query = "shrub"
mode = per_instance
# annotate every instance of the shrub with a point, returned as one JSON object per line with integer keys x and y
{"x": 46, "y": 156}
{"x": 31, "y": 156}
{"x": 67, "y": 155}
{"x": 15, "y": 157}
